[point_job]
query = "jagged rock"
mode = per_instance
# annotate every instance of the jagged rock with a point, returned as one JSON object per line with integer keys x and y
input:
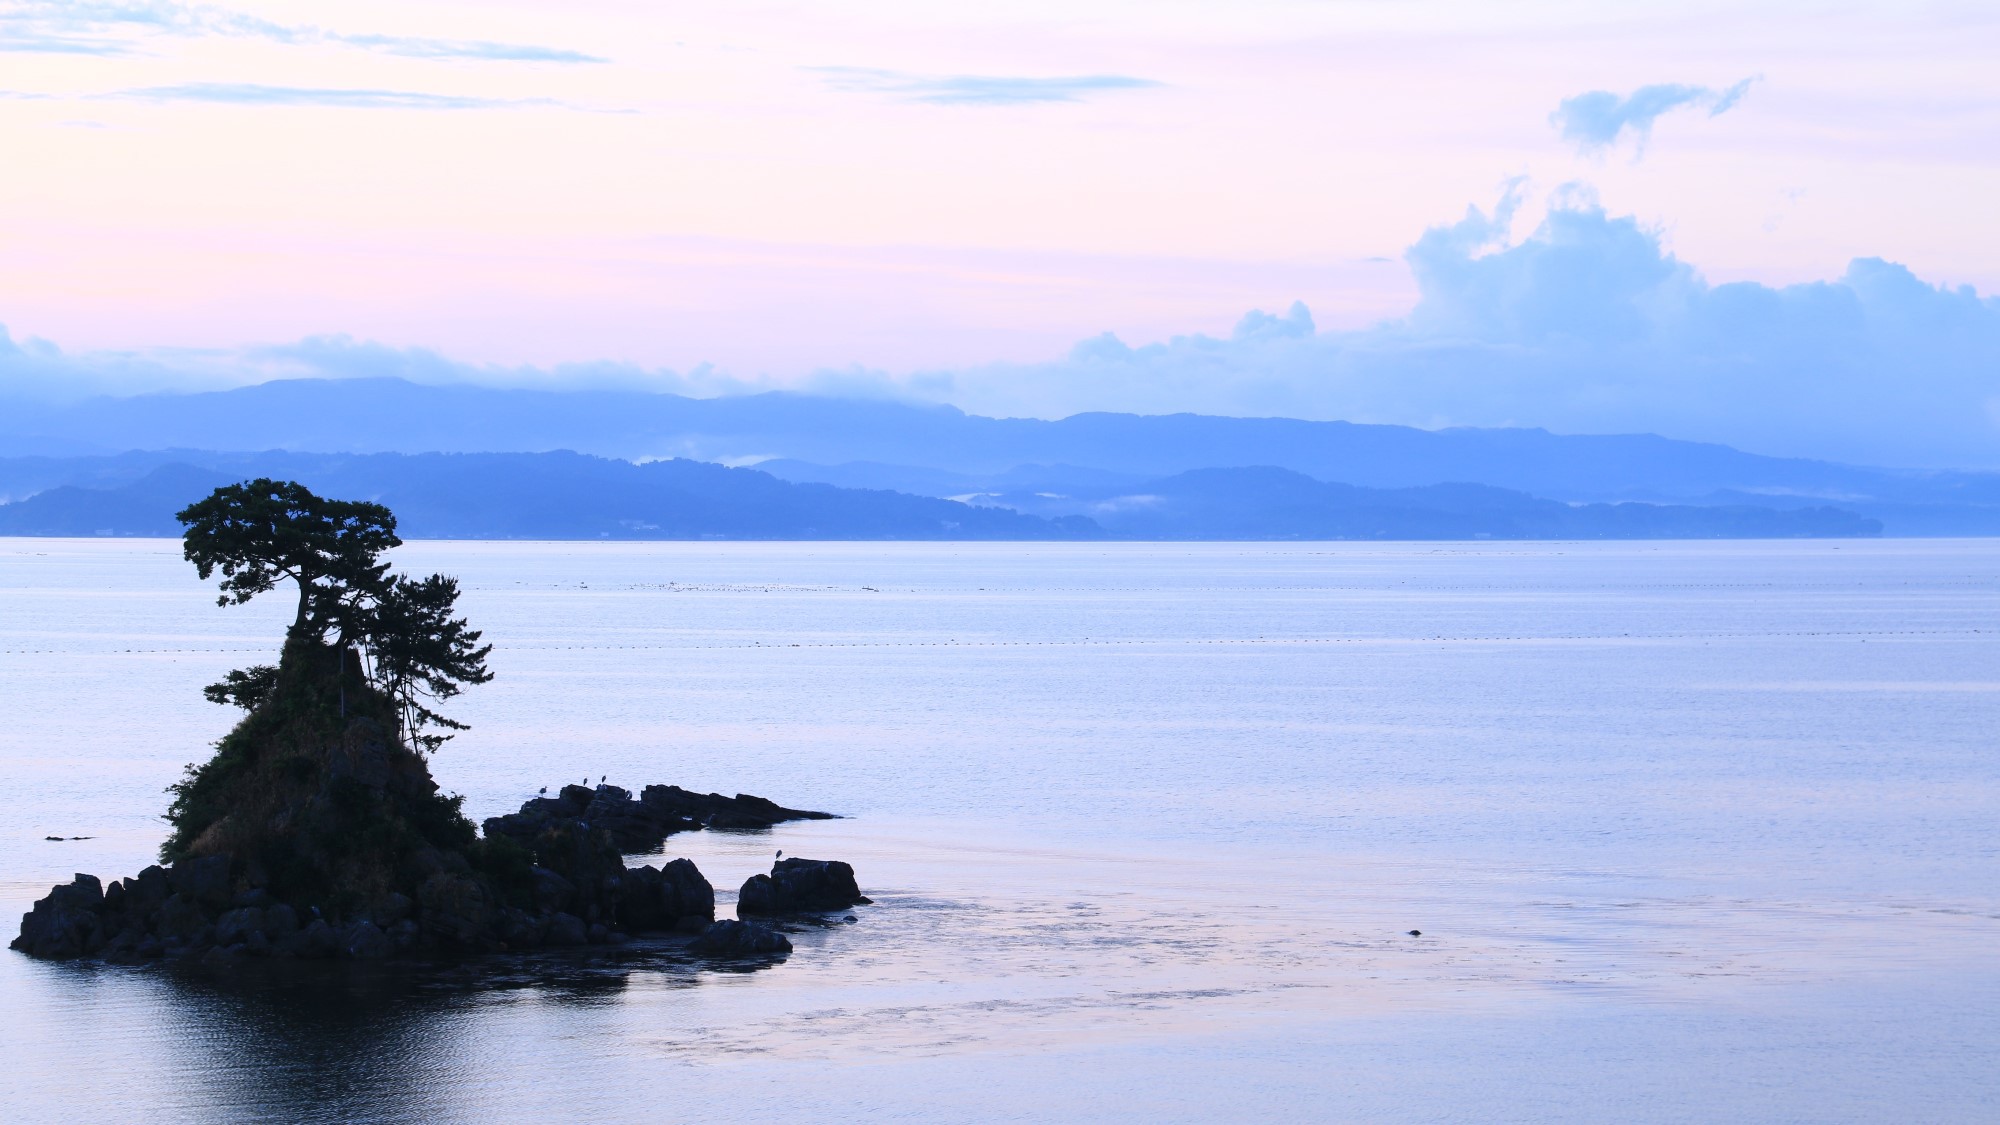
{"x": 66, "y": 922}
{"x": 642, "y": 825}
{"x": 674, "y": 897}
{"x": 739, "y": 939}
{"x": 571, "y": 889}
{"x": 800, "y": 885}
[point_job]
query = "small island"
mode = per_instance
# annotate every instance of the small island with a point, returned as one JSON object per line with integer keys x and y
{"x": 316, "y": 830}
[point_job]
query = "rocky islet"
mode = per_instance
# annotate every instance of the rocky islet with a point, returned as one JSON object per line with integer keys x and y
{"x": 574, "y": 890}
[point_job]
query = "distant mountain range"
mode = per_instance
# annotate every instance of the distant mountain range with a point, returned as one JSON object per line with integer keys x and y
{"x": 566, "y": 495}
{"x": 938, "y": 451}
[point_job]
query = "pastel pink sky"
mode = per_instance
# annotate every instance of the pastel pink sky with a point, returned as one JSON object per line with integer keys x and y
{"x": 764, "y": 186}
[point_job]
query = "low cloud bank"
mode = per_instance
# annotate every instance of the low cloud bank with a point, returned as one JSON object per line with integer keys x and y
{"x": 1585, "y": 326}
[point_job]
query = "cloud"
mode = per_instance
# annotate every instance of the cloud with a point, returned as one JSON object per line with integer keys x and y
{"x": 37, "y": 371}
{"x": 117, "y": 27}
{"x": 976, "y": 89}
{"x": 238, "y": 93}
{"x": 1595, "y": 120}
{"x": 1585, "y": 326}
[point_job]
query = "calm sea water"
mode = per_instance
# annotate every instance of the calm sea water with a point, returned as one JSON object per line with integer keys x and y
{"x": 1692, "y": 831}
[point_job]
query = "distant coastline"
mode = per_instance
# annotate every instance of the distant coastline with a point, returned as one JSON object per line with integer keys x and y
{"x": 570, "y": 496}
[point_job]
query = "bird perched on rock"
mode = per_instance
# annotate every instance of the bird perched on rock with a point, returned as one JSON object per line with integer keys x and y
{"x": 542, "y": 792}
{"x": 781, "y": 854}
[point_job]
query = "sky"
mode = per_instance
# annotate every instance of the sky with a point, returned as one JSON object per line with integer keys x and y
{"x": 1768, "y": 224}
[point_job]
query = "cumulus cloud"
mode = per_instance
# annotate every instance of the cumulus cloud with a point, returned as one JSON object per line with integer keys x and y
{"x": 1587, "y": 325}
{"x": 976, "y": 89}
{"x": 96, "y": 27}
{"x": 1595, "y": 120}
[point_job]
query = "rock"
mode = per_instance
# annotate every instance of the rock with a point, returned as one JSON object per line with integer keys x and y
{"x": 519, "y": 929}
{"x": 237, "y": 925}
{"x": 739, "y": 939}
{"x": 144, "y": 894}
{"x": 365, "y": 941}
{"x": 455, "y": 908}
{"x": 599, "y": 933}
{"x": 205, "y": 880}
{"x": 394, "y": 907}
{"x": 566, "y": 929}
{"x": 800, "y": 885}
{"x": 655, "y": 900}
{"x": 641, "y": 825}
{"x": 552, "y": 891}
{"x": 253, "y": 896}
{"x": 694, "y": 895}
{"x": 759, "y": 895}
{"x": 66, "y": 922}
{"x": 645, "y": 901}
{"x": 314, "y": 941}
{"x": 179, "y": 919}
{"x": 280, "y": 921}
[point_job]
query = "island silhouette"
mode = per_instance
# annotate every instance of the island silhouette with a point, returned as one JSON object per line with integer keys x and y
{"x": 316, "y": 830}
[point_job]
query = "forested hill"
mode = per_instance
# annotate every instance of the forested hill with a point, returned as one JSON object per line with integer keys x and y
{"x": 571, "y": 496}
{"x": 390, "y": 415}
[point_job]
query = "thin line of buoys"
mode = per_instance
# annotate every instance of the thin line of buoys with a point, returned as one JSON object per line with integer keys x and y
{"x": 1101, "y": 641}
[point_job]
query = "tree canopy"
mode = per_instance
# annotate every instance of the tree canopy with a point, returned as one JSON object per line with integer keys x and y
{"x": 262, "y": 531}
{"x": 409, "y": 645}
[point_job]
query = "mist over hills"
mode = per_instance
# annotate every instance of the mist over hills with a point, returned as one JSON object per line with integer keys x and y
{"x": 938, "y": 451}
{"x": 536, "y": 496}
{"x": 572, "y": 496}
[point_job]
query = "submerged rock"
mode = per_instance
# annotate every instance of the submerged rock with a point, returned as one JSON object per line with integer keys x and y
{"x": 739, "y": 939}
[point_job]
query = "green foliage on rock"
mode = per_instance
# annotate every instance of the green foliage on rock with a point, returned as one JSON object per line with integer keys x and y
{"x": 322, "y": 789}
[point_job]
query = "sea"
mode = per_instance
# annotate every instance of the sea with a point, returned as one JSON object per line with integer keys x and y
{"x": 1646, "y": 831}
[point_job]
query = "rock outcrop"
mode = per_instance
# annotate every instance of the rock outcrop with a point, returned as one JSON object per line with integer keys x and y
{"x": 550, "y": 876}
{"x": 800, "y": 886}
{"x": 643, "y": 824}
